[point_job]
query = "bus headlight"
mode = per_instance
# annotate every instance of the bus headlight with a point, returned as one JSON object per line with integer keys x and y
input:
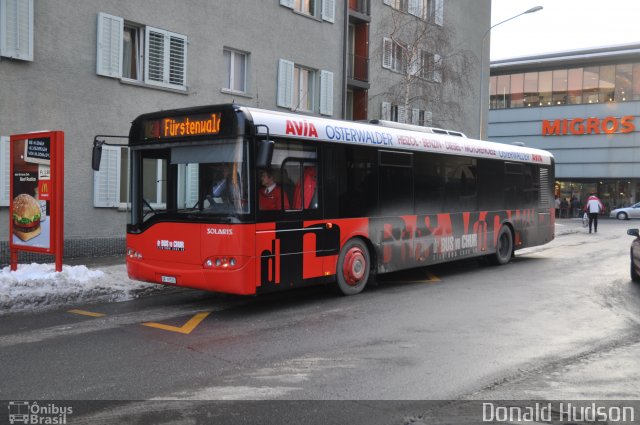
{"x": 222, "y": 263}
{"x": 132, "y": 253}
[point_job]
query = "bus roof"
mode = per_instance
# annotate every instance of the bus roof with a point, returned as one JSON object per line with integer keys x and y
{"x": 329, "y": 130}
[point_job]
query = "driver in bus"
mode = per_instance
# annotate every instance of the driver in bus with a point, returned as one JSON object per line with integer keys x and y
{"x": 225, "y": 190}
{"x": 270, "y": 194}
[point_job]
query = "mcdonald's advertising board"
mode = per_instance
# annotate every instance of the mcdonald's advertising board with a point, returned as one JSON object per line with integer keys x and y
{"x": 37, "y": 193}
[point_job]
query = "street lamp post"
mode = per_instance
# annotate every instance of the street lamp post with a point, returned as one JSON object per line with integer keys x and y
{"x": 484, "y": 39}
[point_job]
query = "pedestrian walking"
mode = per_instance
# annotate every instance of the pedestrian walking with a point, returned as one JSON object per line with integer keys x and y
{"x": 593, "y": 208}
{"x": 575, "y": 207}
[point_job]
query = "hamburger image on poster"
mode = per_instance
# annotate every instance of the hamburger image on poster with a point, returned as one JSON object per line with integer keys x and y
{"x": 26, "y": 217}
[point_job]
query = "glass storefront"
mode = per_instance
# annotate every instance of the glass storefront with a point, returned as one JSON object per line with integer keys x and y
{"x": 612, "y": 193}
{"x": 566, "y": 86}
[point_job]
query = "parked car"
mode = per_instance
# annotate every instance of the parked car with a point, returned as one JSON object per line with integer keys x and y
{"x": 635, "y": 254}
{"x": 626, "y": 213}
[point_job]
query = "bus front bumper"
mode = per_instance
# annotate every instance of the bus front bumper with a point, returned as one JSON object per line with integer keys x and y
{"x": 240, "y": 281}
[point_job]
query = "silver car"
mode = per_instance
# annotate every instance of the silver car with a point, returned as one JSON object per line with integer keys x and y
{"x": 626, "y": 213}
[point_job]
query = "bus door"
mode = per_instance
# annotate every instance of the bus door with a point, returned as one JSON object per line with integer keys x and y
{"x": 292, "y": 243}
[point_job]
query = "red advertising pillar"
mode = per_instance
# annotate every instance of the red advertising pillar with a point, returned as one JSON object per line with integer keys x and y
{"x": 37, "y": 195}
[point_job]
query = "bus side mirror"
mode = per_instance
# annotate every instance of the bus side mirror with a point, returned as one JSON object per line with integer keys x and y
{"x": 265, "y": 153}
{"x": 96, "y": 155}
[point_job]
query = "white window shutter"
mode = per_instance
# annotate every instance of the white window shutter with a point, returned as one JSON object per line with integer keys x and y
{"x": 385, "y": 111}
{"x": 155, "y": 55}
{"x": 428, "y": 118}
{"x": 402, "y": 114}
{"x": 192, "y": 181}
{"x": 415, "y": 116}
{"x": 387, "y": 53}
{"x": 177, "y": 60}
{"x": 329, "y": 10}
{"x": 326, "y": 93}
{"x": 437, "y": 68}
{"x": 166, "y": 55}
{"x": 287, "y": 3}
{"x": 439, "y": 12}
{"x": 414, "y": 8}
{"x": 106, "y": 181}
{"x": 16, "y": 29}
{"x": 109, "y": 50}
{"x": 285, "y": 83}
{"x": 5, "y": 177}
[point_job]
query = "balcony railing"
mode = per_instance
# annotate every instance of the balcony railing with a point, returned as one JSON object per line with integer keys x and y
{"x": 360, "y": 6}
{"x": 358, "y": 68}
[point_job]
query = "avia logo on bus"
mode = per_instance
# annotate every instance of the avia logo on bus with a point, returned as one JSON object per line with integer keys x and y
{"x": 301, "y": 128}
{"x": 579, "y": 126}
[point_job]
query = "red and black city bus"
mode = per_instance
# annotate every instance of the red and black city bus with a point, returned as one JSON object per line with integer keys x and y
{"x": 351, "y": 200}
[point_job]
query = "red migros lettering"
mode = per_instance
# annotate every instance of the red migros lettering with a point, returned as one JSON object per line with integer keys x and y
{"x": 301, "y": 128}
{"x": 592, "y": 125}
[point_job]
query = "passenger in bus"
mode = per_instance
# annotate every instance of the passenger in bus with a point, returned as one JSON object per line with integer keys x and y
{"x": 306, "y": 189}
{"x": 270, "y": 195}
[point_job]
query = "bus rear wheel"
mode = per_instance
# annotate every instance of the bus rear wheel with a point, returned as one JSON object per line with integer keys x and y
{"x": 354, "y": 267}
{"x": 504, "y": 247}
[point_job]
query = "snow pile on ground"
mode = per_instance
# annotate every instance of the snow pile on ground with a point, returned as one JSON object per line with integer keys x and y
{"x": 39, "y": 286}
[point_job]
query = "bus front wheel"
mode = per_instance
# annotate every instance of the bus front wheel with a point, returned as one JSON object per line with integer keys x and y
{"x": 354, "y": 267}
{"x": 504, "y": 246}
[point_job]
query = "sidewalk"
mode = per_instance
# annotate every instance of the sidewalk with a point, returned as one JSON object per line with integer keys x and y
{"x": 36, "y": 287}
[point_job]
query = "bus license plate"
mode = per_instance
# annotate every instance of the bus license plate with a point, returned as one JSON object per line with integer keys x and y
{"x": 169, "y": 279}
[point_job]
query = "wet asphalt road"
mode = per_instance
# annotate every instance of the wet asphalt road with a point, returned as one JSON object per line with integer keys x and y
{"x": 560, "y": 321}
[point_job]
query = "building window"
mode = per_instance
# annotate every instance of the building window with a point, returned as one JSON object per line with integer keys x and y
{"x": 131, "y": 52}
{"x": 305, "y": 6}
{"x": 393, "y": 55}
{"x": 575, "y": 86}
{"x": 142, "y": 53}
{"x": 560, "y": 87}
{"x": 235, "y": 64}
{"x": 16, "y": 29}
{"x": 325, "y": 8}
{"x": 566, "y": 86}
{"x": 111, "y": 182}
{"x": 297, "y": 88}
{"x": 429, "y": 10}
{"x": 624, "y": 79}
{"x": 398, "y": 113}
{"x": 303, "y": 85}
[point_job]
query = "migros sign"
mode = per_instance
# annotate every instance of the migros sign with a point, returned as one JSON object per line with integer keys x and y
{"x": 580, "y": 126}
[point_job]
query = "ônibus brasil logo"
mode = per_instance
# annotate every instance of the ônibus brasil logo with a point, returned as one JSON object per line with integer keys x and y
{"x": 24, "y": 412}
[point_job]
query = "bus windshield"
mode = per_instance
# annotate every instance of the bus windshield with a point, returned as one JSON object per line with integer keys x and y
{"x": 205, "y": 182}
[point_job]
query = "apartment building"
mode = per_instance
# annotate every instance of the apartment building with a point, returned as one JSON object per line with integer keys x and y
{"x": 89, "y": 67}
{"x": 424, "y": 62}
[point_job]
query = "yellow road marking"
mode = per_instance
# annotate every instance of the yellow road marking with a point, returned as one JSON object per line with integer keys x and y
{"x": 432, "y": 277}
{"x": 186, "y": 329}
{"x": 86, "y": 313}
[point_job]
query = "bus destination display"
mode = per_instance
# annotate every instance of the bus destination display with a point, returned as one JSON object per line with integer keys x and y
{"x": 183, "y": 126}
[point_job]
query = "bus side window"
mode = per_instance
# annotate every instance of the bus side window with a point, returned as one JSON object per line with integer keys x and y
{"x": 306, "y": 191}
